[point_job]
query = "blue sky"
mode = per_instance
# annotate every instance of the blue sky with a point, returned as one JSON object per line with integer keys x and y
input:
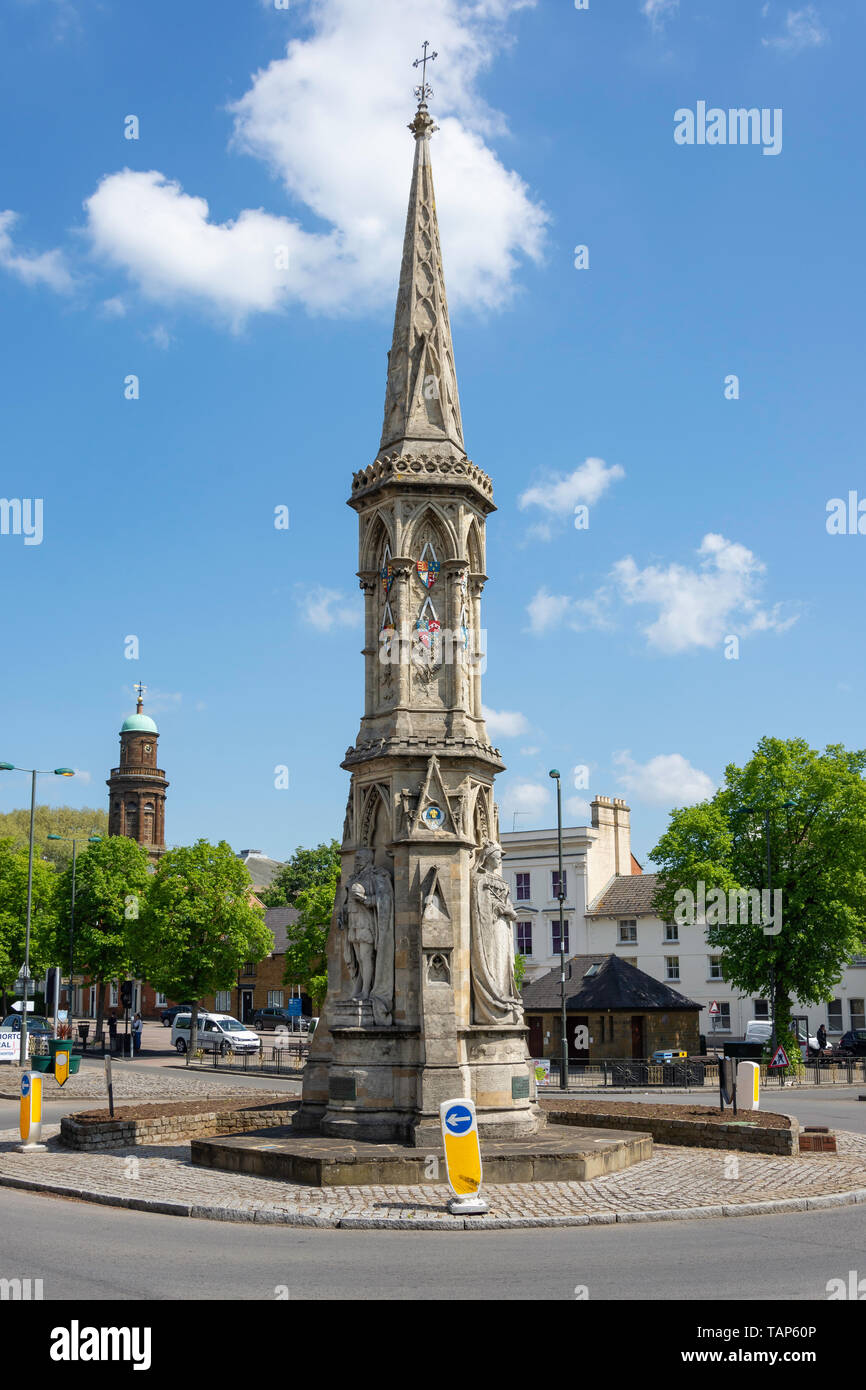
{"x": 262, "y": 387}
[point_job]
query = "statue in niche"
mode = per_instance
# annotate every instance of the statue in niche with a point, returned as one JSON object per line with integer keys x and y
{"x": 366, "y": 915}
{"x": 432, "y": 910}
{"x": 494, "y": 994}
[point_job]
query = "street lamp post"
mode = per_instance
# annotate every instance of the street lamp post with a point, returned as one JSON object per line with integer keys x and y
{"x": 34, "y": 773}
{"x": 563, "y": 1080}
{"x": 75, "y": 841}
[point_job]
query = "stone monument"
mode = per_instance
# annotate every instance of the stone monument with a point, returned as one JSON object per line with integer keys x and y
{"x": 422, "y": 1005}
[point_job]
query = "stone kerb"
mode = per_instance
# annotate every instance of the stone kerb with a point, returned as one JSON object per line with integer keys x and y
{"x": 98, "y": 1136}
{"x": 700, "y": 1134}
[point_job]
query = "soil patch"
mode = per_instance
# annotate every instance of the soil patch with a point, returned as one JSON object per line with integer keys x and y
{"x": 765, "y": 1119}
{"x": 157, "y": 1110}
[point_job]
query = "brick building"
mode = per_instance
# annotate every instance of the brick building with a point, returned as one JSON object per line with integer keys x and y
{"x": 627, "y": 1012}
{"x": 260, "y": 983}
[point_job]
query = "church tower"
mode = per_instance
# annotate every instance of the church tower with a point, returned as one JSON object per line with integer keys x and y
{"x": 421, "y": 1003}
{"x": 136, "y": 789}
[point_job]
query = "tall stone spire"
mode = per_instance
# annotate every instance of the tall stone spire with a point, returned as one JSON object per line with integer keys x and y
{"x": 422, "y": 405}
{"x": 421, "y": 1002}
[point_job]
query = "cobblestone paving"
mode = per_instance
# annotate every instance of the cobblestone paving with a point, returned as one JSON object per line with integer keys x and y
{"x": 129, "y": 1084}
{"x": 675, "y": 1182}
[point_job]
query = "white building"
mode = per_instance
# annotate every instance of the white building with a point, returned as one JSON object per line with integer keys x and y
{"x": 609, "y": 910}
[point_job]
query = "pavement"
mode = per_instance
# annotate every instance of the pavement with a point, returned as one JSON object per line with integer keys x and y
{"x": 675, "y": 1184}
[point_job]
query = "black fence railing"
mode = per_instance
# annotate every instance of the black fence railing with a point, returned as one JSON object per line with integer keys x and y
{"x": 282, "y": 1060}
{"x": 691, "y": 1073}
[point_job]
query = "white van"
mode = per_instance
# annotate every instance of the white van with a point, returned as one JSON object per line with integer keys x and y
{"x": 760, "y": 1030}
{"x": 216, "y": 1033}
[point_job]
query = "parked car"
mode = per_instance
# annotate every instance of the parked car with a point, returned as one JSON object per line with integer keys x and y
{"x": 761, "y": 1030}
{"x": 36, "y": 1023}
{"x": 169, "y": 1015}
{"x": 853, "y": 1043}
{"x": 271, "y": 1018}
{"x": 216, "y": 1033}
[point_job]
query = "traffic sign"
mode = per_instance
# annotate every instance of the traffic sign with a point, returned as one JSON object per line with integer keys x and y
{"x": 780, "y": 1057}
{"x": 293, "y": 1008}
{"x": 462, "y": 1149}
{"x": 30, "y": 1120}
{"x": 714, "y": 1007}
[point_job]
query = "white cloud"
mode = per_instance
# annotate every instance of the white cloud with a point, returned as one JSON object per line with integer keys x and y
{"x": 802, "y": 29}
{"x": 504, "y": 723}
{"x": 560, "y": 493}
{"x": 160, "y": 337}
{"x": 83, "y": 777}
{"x": 529, "y": 752}
{"x": 695, "y": 607}
{"x": 330, "y": 120}
{"x": 658, "y": 11}
{"x": 547, "y": 610}
{"x": 700, "y": 607}
{"x": 325, "y": 609}
{"x": 666, "y": 780}
{"x": 47, "y": 268}
{"x": 578, "y": 809}
{"x": 113, "y": 308}
{"x": 531, "y": 797}
{"x": 163, "y": 238}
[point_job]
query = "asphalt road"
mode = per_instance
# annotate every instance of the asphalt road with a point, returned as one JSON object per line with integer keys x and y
{"x": 84, "y": 1253}
{"x": 143, "y": 1256}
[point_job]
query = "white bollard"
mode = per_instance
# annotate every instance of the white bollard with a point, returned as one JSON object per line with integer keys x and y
{"x": 749, "y": 1085}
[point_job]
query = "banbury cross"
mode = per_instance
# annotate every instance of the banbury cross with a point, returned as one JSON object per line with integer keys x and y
{"x": 423, "y": 92}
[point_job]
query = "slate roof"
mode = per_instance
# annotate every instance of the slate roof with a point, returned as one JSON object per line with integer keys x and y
{"x": 628, "y": 895}
{"x": 276, "y": 920}
{"x": 262, "y": 870}
{"x": 615, "y": 986}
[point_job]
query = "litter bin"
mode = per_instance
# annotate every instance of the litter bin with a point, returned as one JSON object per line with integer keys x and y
{"x": 83, "y": 1030}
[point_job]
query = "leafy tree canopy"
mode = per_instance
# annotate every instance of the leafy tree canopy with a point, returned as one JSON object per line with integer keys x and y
{"x": 111, "y": 880}
{"x": 818, "y": 861}
{"x": 13, "y": 913}
{"x": 305, "y": 869}
{"x": 68, "y": 821}
{"x": 307, "y": 939}
{"x": 197, "y": 925}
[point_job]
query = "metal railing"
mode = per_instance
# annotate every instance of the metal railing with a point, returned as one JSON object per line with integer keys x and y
{"x": 690, "y": 1073}
{"x": 285, "y": 1060}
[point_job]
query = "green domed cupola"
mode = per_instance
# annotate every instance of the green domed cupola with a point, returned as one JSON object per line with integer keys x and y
{"x": 139, "y": 723}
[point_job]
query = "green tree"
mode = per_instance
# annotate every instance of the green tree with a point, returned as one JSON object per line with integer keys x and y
{"x": 198, "y": 925}
{"x": 306, "y": 962}
{"x": 818, "y": 863}
{"x": 111, "y": 882}
{"x": 305, "y": 869}
{"x": 67, "y": 821}
{"x": 13, "y": 916}
{"x": 519, "y": 970}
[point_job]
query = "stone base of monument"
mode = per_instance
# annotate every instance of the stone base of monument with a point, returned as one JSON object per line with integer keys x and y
{"x": 553, "y": 1154}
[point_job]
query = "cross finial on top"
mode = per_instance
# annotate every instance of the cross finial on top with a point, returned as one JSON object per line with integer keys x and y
{"x": 423, "y": 92}
{"x": 139, "y": 689}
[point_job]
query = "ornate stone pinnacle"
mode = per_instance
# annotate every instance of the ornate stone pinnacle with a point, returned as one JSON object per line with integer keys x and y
{"x": 423, "y": 125}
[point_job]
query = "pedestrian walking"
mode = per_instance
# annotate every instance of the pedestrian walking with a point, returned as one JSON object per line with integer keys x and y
{"x": 822, "y": 1038}
{"x": 137, "y": 1027}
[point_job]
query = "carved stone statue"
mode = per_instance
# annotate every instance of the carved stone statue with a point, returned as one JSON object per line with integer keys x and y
{"x": 367, "y": 917}
{"x": 494, "y": 993}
